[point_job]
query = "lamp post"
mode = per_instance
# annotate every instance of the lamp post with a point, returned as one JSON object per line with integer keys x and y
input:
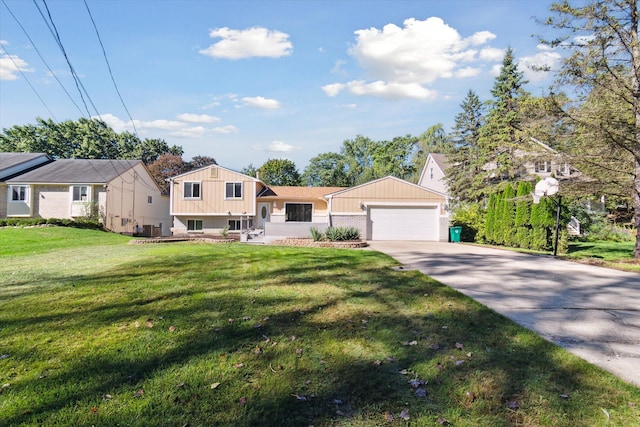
{"x": 548, "y": 187}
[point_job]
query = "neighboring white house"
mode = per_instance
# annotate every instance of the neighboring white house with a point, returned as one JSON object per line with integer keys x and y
{"x": 121, "y": 193}
{"x": 434, "y": 172}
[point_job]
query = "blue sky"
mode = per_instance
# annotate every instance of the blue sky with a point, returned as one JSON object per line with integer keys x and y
{"x": 245, "y": 81}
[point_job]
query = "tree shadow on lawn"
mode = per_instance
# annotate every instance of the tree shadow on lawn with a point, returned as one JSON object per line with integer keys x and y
{"x": 339, "y": 357}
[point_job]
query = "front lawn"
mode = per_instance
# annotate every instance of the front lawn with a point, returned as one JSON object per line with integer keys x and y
{"x": 107, "y": 333}
{"x": 606, "y": 253}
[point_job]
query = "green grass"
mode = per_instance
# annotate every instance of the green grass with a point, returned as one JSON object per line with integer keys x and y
{"x": 104, "y": 333}
{"x": 608, "y": 254}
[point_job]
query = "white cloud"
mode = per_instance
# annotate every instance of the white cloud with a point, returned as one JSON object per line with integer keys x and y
{"x": 251, "y": 42}
{"x": 261, "y": 102}
{"x": 189, "y": 132}
{"x": 391, "y": 90}
{"x": 280, "y": 147}
{"x": 197, "y": 118}
{"x": 401, "y": 62}
{"x": 492, "y": 54}
{"x": 11, "y": 65}
{"x": 533, "y": 66}
{"x": 225, "y": 130}
{"x": 421, "y": 52}
{"x": 175, "y": 128}
{"x": 468, "y": 72}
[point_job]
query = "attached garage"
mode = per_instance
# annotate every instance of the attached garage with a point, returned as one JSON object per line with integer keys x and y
{"x": 403, "y": 223}
{"x": 391, "y": 209}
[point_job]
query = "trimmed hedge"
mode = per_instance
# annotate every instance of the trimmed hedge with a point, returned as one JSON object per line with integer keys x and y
{"x": 60, "y": 222}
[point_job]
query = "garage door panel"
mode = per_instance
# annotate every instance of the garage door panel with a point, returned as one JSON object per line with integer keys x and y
{"x": 403, "y": 223}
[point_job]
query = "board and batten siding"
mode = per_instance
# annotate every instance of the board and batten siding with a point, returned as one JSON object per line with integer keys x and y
{"x": 212, "y": 199}
{"x": 386, "y": 190}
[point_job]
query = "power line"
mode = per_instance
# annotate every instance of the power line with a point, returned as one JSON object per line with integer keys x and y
{"x": 104, "y": 54}
{"x": 54, "y": 32}
{"x": 41, "y": 57}
{"x": 27, "y": 80}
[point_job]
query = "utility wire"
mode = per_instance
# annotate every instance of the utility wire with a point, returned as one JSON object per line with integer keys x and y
{"x": 104, "y": 53}
{"x": 54, "y": 32}
{"x": 27, "y": 80}
{"x": 41, "y": 57}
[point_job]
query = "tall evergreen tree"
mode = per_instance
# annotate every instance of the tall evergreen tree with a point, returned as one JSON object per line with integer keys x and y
{"x": 465, "y": 158}
{"x": 523, "y": 215}
{"x": 502, "y": 134}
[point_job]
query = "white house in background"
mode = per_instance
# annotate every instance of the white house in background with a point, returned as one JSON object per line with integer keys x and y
{"x": 434, "y": 173}
{"x": 13, "y": 164}
{"x": 121, "y": 192}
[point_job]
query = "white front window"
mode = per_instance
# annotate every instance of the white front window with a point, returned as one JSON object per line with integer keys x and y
{"x": 80, "y": 193}
{"x": 19, "y": 193}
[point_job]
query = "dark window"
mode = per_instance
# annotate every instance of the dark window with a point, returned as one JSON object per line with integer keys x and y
{"x": 192, "y": 190}
{"x": 194, "y": 225}
{"x": 300, "y": 212}
{"x": 18, "y": 193}
{"x": 233, "y": 190}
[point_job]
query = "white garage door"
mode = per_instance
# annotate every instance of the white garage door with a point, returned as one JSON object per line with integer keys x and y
{"x": 403, "y": 223}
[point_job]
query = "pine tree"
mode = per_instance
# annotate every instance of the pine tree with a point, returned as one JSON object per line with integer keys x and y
{"x": 501, "y": 135}
{"x": 465, "y": 159}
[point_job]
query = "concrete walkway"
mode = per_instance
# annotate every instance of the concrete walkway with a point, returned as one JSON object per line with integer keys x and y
{"x": 593, "y": 312}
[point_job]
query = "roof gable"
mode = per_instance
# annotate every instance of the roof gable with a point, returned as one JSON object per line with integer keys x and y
{"x": 440, "y": 160}
{"x": 386, "y": 178}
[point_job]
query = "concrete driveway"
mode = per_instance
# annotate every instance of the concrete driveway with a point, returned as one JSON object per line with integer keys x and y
{"x": 593, "y": 312}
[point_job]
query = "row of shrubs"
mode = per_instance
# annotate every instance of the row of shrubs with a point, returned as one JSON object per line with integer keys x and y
{"x": 60, "y": 222}
{"x": 335, "y": 234}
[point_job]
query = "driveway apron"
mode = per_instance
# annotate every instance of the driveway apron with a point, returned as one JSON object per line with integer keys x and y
{"x": 593, "y": 312}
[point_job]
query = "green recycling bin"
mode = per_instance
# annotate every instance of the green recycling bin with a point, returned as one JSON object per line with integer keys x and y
{"x": 454, "y": 234}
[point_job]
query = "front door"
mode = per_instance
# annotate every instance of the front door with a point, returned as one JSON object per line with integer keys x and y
{"x": 263, "y": 214}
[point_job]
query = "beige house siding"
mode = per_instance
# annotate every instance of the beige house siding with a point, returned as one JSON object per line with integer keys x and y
{"x": 126, "y": 206}
{"x": 52, "y": 201}
{"x": 212, "y": 199}
{"x": 3, "y": 200}
{"x": 386, "y": 190}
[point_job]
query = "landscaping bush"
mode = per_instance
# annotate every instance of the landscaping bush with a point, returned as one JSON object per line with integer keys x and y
{"x": 60, "y": 222}
{"x": 341, "y": 234}
{"x": 316, "y": 234}
{"x": 471, "y": 218}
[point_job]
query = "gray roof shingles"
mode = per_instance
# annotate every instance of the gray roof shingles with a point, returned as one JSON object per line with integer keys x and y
{"x": 76, "y": 171}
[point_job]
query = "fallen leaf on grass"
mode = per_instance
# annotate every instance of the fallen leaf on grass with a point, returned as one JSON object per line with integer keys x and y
{"x": 459, "y": 362}
{"x": 139, "y": 393}
{"x": 137, "y": 324}
{"x": 300, "y": 397}
{"x": 172, "y": 328}
{"x": 243, "y": 401}
{"x": 407, "y": 343}
{"x": 391, "y": 358}
{"x": 404, "y": 414}
{"x": 215, "y": 386}
{"x": 605, "y": 412}
{"x": 107, "y": 397}
{"x": 245, "y": 318}
{"x": 257, "y": 350}
{"x": 512, "y": 404}
{"x": 443, "y": 422}
{"x": 293, "y": 338}
{"x": 459, "y": 346}
{"x": 94, "y": 409}
{"x": 404, "y": 372}
{"x": 377, "y": 362}
{"x": 471, "y": 396}
{"x": 564, "y": 396}
{"x": 238, "y": 365}
{"x": 420, "y": 392}
{"x": 435, "y": 346}
{"x": 180, "y": 384}
{"x": 388, "y": 417}
{"x": 298, "y": 351}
